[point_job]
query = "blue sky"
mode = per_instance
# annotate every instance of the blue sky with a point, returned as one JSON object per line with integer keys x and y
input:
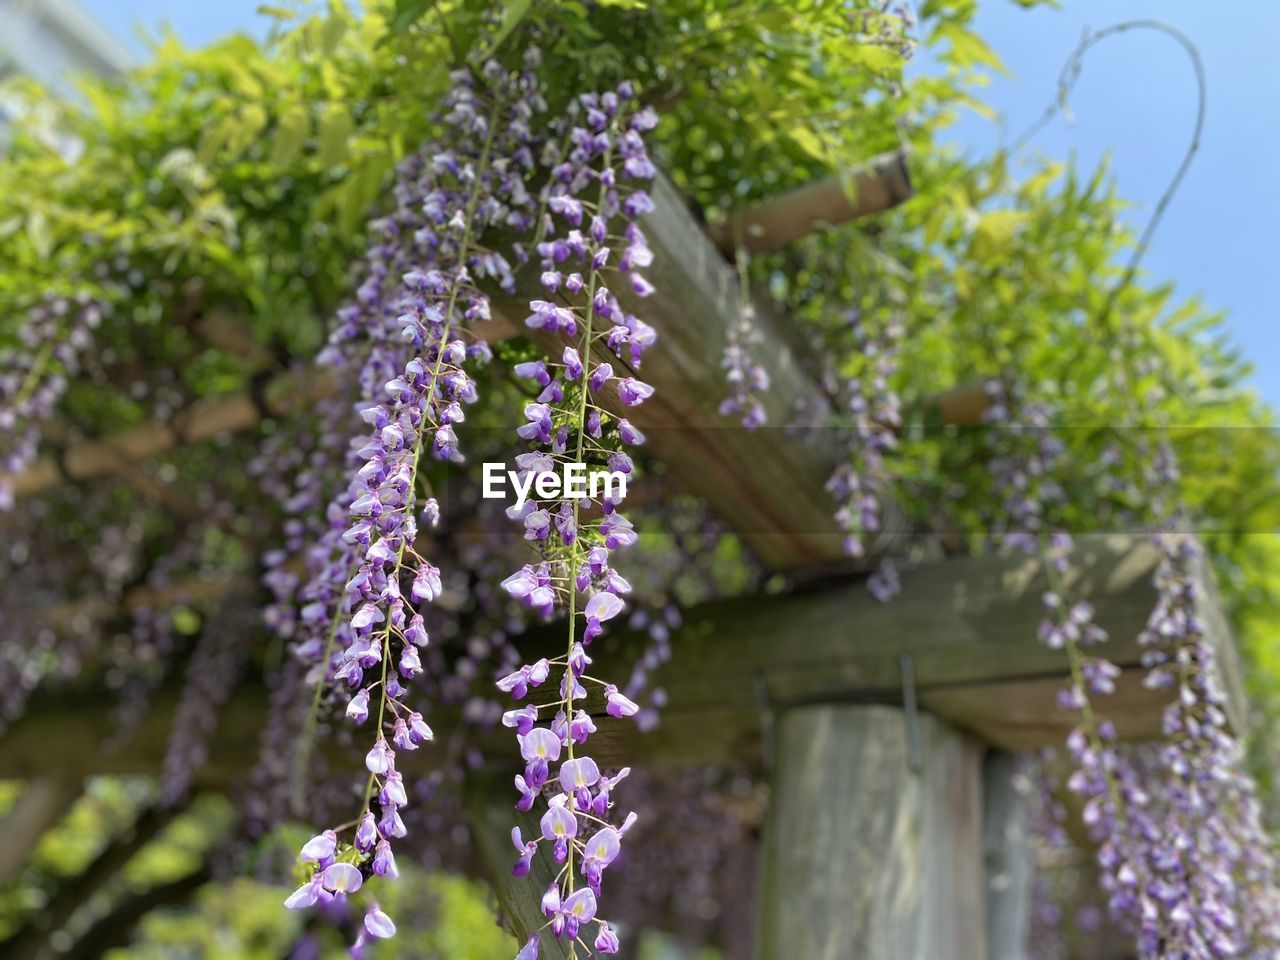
{"x": 1135, "y": 102}
{"x": 195, "y": 21}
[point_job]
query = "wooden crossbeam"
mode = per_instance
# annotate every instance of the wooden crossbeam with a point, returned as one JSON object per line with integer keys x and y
{"x": 490, "y": 819}
{"x": 968, "y": 625}
{"x": 768, "y": 484}
{"x": 43, "y": 802}
{"x": 30, "y": 940}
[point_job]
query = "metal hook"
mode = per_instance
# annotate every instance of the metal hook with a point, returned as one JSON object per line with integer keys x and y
{"x": 763, "y": 704}
{"x": 911, "y": 709}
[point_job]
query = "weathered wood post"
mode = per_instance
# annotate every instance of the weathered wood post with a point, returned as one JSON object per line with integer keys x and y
{"x": 869, "y": 851}
{"x": 1007, "y": 857}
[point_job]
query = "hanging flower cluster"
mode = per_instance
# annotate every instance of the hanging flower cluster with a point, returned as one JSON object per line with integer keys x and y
{"x": 875, "y": 415}
{"x": 1183, "y": 856}
{"x": 1068, "y": 910}
{"x": 52, "y": 337}
{"x": 409, "y": 337}
{"x": 212, "y": 673}
{"x": 747, "y": 378}
{"x": 1025, "y": 458}
{"x": 591, "y": 238}
{"x": 1210, "y": 886}
{"x": 139, "y": 668}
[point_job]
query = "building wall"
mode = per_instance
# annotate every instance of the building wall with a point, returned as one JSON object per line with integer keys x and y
{"x": 51, "y": 40}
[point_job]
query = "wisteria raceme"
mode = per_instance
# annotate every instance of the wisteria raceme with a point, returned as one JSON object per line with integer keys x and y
{"x": 1192, "y": 865}
{"x": 53, "y": 336}
{"x": 1068, "y": 911}
{"x": 747, "y": 377}
{"x": 1025, "y": 457}
{"x": 1183, "y": 856}
{"x": 58, "y": 603}
{"x": 567, "y": 423}
{"x": 875, "y": 418}
{"x": 1212, "y": 889}
{"x": 1024, "y": 454}
{"x": 138, "y": 668}
{"x": 692, "y": 861}
{"x": 408, "y": 332}
{"x": 31, "y": 649}
{"x": 682, "y": 574}
{"x": 211, "y": 676}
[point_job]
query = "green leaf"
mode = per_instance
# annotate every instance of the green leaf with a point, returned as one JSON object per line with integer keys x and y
{"x": 214, "y": 138}
{"x": 810, "y": 142}
{"x": 512, "y": 13}
{"x": 38, "y": 233}
{"x": 360, "y": 190}
{"x": 875, "y": 57}
{"x": 334, "y": 30}
{"x": 967, "y": 48}
{"x": 278, "y": 13}
{"x": 186, "y": 621}
{"x": 335, "y": 131}
{"x": 1034, "y": 187}
{"x": 249, "y": 123}
{"x": 291, "y": 132}
{"x": 407, "y": 13}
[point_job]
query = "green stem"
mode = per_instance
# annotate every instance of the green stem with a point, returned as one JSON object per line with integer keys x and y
{"x": 575, "y": 548}
{"x": 302, "y": 761}
{"x": 33, "y": 375}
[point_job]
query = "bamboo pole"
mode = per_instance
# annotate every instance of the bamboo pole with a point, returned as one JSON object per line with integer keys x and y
{"x": 41, "y": 804}
{"x": 876, "y": 186}
{"x": 204, "y": 420}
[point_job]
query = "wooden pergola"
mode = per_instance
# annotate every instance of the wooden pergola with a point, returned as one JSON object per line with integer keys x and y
{"x": 886, "y": 729}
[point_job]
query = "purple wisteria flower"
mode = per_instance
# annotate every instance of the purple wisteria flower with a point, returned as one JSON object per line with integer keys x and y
{"x": 406, "y": 345}
{"x": 53, "y": 335}
{"x": 747, "y": 378}
{"x": 875, "y": 417}
{"x": 1177, "y": 824}
{"x": 592, "y": 245}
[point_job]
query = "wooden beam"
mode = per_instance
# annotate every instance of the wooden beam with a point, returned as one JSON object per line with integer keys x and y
{"x": 873, "y": 187}
{"x": 30, "y": 940}
{"x": 959, "y": 406}
{"x": 962, "y": 406}
{"x": 767, "y": 483}
{"x": 968, "y": 625}
{"x": 114, "y": 929}
{"x": 490, "y": 817}
{"x": 869, "y": 850}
